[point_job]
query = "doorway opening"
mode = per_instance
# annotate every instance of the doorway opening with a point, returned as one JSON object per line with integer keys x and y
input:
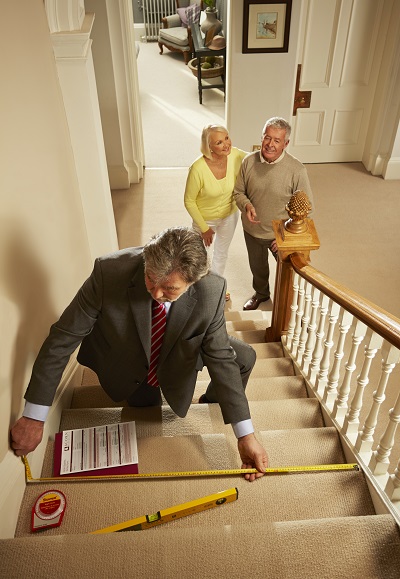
{"x": 172, "y": 117}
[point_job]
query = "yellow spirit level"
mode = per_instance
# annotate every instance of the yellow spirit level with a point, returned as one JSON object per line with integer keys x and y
{"x": 176, "y": 512}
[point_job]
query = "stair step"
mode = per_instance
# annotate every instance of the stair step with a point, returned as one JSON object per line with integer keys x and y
{"x": 306, "y": 446}
{"x": 278, "y": 388}
{"x": 200, "y": 419}
{"x": 269, "y": 367}
{"x": 234, "y": 316}
{"x": 249, "y": 336}
{"x": 357, "y": 547}
{"x": 245, "y": 325}
{"x": 89, "y": 377}
{"x": 91, "y": 395}
{"x": 95, "y": 505}
{"x": 264, "y": 367}
{"x": 275, "y": 388}
{"x": 268, "y": 350}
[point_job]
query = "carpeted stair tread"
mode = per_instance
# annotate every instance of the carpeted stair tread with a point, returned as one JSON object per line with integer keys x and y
{"x": 273, "y": 388}
{"x": 201, "y": 418}
{"x": 263, "y": 367}
{"x": 93, "y": 396}
{"x": 256, "y": 315}
{"x": 89, "y": 377}
{"x": 249, "y": 336}
{"x": 267, "y": 367}
{"x": 94, "y": 505}
{"x": 358, "y": 547}
{"x": 245, "y": 325}
{"x": 268, "y": 350}
{"x": 303, "y": 446}
{"x": 219, "y": 451}
{"x": 278, "y": 388}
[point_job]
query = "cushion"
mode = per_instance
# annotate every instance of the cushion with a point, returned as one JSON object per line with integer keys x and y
{"x": 193, "y": 13}
{"x": 176, "y": 35}
{"x": 182, "y": 16}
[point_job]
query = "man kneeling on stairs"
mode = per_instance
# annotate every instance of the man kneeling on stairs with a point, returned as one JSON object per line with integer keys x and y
{"x": 147, "y": 320}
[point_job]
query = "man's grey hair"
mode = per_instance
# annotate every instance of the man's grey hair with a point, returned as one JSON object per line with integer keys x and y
{"x": 205, "y": 138}
{"x": 278, "y": 123}
{"x": 176, "y": 250}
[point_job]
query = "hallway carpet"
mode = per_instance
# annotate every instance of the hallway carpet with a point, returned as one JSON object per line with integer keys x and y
{"x": 172, "y": 117}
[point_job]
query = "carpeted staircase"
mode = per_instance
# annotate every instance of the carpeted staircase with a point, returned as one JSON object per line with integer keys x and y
{"x": 301, "y": 525}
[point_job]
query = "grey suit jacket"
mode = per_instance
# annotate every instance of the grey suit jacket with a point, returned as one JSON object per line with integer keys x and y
{"x": 111, "y": 318}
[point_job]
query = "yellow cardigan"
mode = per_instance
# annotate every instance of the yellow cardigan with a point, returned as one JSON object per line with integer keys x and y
{"x": 207, "y": 198}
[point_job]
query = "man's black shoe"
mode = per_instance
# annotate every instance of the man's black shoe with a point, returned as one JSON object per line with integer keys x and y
{"x": 254, "y": 302}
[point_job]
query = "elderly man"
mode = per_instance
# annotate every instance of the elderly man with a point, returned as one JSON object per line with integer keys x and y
{"x": 265, "y": 183}
{"x": 147, "y": 319}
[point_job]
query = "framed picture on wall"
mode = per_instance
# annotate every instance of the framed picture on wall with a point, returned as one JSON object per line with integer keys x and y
{"x": 266, "y": 26}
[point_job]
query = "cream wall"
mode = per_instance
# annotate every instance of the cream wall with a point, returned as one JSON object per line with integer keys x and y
{"x": 44, "y": 251}
{"x": 262, "y": 85}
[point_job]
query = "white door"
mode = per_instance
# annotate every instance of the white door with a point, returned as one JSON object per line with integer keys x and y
{"x": 340, "y": 54}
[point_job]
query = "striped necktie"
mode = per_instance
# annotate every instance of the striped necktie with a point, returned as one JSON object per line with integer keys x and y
{"x": 159, "y": 320}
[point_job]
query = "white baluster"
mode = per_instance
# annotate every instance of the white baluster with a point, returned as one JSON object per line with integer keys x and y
{"x": 299, "y": 315}
{"x": 293, "y": 310}
{"x": 322, "y": 378}
{"x": 380, "y": 459}
{"x": 317, "y": 353}
{"x": 304, "y": 322}
{"x": 340, "y": 405}
{"x": 352, "y": 422}
{"x": 312, "y": 326}
{"x": 345, "y": 322}
{"x": 390, "y": 357}
{"x": 392, "y": 488}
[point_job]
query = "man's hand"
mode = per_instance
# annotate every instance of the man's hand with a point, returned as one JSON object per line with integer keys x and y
{"x": 208, "y": 237}
{"x": 253, "y": 455}
{"x": 26, "y": 434}
{"x": 251, "y": 213}
{"x": 274, "y": 246}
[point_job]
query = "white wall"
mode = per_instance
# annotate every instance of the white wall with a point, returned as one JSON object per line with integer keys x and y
{"x": 261, "y": 85}
{"x": 44, "y": 250}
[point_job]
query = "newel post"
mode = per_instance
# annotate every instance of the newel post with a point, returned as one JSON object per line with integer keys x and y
{"x": 294, "y": 235}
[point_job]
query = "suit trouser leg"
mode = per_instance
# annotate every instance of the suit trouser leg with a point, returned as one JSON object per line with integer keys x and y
{"x": 245, "y": 359}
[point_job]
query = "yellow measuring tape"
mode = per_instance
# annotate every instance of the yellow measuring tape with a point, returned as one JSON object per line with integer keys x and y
{"x": 172, "y": 513}
{"x": 190, "y": 473}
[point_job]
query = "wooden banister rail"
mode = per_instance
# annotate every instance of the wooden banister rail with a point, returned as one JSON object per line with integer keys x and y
{"x": 380, "y": 321}
{"x": 294, "y": 254}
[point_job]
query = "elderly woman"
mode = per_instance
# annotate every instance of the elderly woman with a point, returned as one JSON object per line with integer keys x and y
{"x": 208, "y": 193}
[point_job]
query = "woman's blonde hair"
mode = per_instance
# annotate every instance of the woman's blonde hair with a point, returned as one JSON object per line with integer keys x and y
{"x": 205, "y": 138}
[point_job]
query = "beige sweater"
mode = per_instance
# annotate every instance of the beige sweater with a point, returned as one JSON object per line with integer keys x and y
{"x": 268, "y": 186}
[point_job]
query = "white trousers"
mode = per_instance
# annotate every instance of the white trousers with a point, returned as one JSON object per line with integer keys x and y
{"x": 218, "y": 250}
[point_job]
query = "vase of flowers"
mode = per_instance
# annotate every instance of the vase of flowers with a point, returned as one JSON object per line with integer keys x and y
{"x": 211, "y": 19}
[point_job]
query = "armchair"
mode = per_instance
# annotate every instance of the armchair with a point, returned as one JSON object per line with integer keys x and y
{"x": 175, "y": 33}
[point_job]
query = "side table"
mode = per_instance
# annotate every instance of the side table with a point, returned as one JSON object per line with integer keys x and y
{"x": 199, "y": 51}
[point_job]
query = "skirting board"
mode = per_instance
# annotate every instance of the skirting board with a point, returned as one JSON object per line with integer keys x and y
{"x": 121, "y": 176}
{"x": 392, "y": 170}
{"x": 377, "y": 165}
{"x": 12, "y": 472}
{"x": 139, "y": 31}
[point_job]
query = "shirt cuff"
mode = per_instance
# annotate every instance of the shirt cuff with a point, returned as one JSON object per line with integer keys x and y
{"x": 36, "y": 411}
{"x": 243, "y": 428}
